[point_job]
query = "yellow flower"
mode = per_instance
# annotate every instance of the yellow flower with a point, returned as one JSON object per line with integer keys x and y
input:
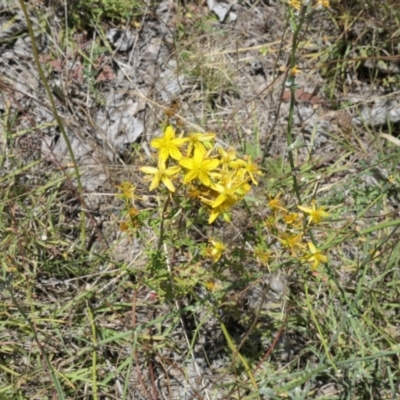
{"x": 246, "y": 166}
{"x": 199, "y": 167}
{"x": 294, "y": 71}
{"x": 315, "y": 214}
{"x": 316, "y": 257}
{"x": 161, "y": 174}
{"x": 127, "y": 192}
{"x": 275, "y": 204}
{"x": 243, "y": 189}
{"x": 227, "y": 158}
{"x": 295, "y": 4}
{"x": 292, "y": 219}
{"x": 133, "y": 212}
{"x": 321, "y": 4}
{"x": 213, "y": 286}
{"x": 229, "y": 191}
{"x": 222, "y": 209}
{"x": 215, "y": 250}
{"x": 199, "y": 141}
{"x": 292, "y": 242}
{"x": 168, "y": 145}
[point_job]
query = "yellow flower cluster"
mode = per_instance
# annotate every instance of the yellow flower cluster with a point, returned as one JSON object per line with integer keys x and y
{"x": 318, "y": 5}
{"x": 217, "y": 177}
{"x": 214, "y": 250}
{"x": 289, "y": 229}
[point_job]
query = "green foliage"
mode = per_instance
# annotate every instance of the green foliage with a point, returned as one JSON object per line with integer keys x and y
{"x": 172, "y": 280}
{"x": 334, "y": 323}
{"x": 83, "y": 13}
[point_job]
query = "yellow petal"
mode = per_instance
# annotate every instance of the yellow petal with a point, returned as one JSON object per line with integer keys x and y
{"x": 167, "y": 182}
{"x": 207, "y": 136}
{"x": 169, "y": 133}
{"x": 202, "y": 137}
{"x": 210, "y": 164}
{"x": 175, "y": 153}
{"x": 238, "y": 163}
{"x": 164, "y": 154}
{"x": 312, "y": 248}
{"x": 213, "y": 216}
{"x": 149, "y": 170}
{"x": 155, "y": 182}
{"x": 190, "y": 176}
{"x": 187, "y": 163}
{"x": 157, "y": 143}
{"x": 218, "y": 188}
{"x": 219, "y": 200}
{"x": 305, "y": 209}
{"x": 204, "y": 178}
{"x": 172, "y": 170}
{"x": 315, "y": 265}
{"x": 323, "y": 258}
{"x": 198, "y": 156}
{"x": 179, "y": 141}
{"x": 200, "y": 147}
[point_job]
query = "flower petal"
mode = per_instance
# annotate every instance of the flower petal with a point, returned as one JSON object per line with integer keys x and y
{"x": 312, "y": 248}
{"x": 202, "y": 137}
{"x": 148, "y": 170}
{"x": 157, "y": 143}
{"x": 175, "y": 153}
{"x": 219, "y": 200}
{"x": 305, "y": 209}
{"x": 169, "y": 133}
{"x": 155, "y": 182}
{"x": 213, "y": 216}
{"x": 179, "y": 141}
{"x": 164, "y": 154}
{"x": 323, "y": 258}
{"x": 167, "y": 182}
{"x": 198, "y": 156}
{"x": 200, "y": 147}
{"x": 209, "y": 165}
{"x": 204, "y": 178}
{"x": 187, "y": 163}
{"x": 190, "y": 176}
{"x": 172, "y": 170}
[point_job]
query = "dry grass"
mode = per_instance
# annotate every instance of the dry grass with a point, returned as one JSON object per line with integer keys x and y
{"x": 91, "y": 313}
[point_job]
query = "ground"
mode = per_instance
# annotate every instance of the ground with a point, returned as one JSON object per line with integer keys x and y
{"x": 110, "y": 290}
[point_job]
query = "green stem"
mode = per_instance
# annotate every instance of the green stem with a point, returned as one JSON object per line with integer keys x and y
{"x": 94, "y": 354}
{"x": 56, "y": 116}
{"x": 162, "y": 224}
{"x": 292, "y": 86}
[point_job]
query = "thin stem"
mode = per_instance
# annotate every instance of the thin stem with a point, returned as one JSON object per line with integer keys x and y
{"x": 292, "y": 86}
{"x": 162, "y": 224}
{"x": 57, "y": 117}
